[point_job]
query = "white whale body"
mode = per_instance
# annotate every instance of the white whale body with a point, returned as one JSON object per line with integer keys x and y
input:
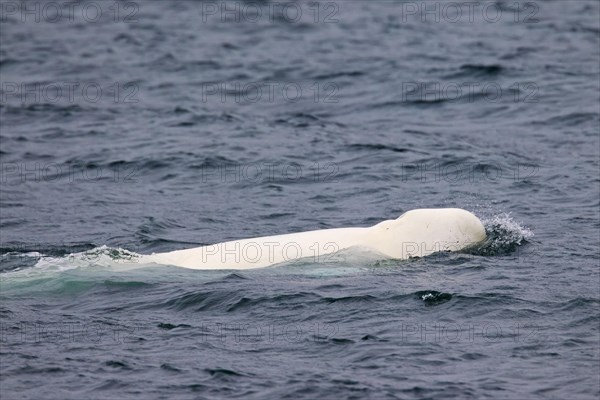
{"x": 416, "y": 233}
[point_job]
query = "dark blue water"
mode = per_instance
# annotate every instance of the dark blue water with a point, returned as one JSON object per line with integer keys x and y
{"x": 137, "y": 127}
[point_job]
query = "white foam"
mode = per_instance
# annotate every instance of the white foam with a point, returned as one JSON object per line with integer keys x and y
{"x": 102, "y": 257}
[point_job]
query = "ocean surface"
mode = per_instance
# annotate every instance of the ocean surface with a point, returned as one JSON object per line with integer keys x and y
{"x": 130, "y": 128}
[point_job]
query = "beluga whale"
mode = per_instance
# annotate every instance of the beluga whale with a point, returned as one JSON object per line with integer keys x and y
{"x": 416, "y": 233}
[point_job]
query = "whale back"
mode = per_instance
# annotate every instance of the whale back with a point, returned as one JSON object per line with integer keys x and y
{"x": 415, "y": 233}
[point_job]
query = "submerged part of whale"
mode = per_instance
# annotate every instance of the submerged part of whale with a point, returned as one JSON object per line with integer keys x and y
{"x": 416, "y": 233}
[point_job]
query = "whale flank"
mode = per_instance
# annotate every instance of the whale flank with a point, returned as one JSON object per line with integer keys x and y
{"x": 416, "y": 233}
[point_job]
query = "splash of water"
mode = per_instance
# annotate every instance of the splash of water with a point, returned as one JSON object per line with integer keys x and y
{"x": 504, "y": 235}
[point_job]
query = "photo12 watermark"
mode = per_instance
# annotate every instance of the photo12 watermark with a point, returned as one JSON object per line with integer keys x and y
{"x": 99, "y": 333}
{"x": 69, "y": 92}
{"x": 256, "y": 253}
{"x": 483, "y": 332}
{"x": 64, "y": 333}
{"x": 256, "y": 12}
{"x": 266, "y": 252}
{"x": 491, "y": 92}
{"x": 56, "y": 12}
{"x": 269, "y": 92}
{"x": 252, "y": 253}
{"x": 468, "y": 172}
{"x": 17, "y": 173}
{"x": 244, "y": 332}
{"x": 455, "y": 12}
{"x": 270, "y": 172}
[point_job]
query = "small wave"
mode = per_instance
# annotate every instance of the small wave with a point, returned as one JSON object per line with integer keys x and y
{"x": 32, "y": 263}
{"x": 377, "y": 147}
{"x": 477, "y": 71}
{"x": 432, "y": 297}
{"x": 14, "y": 260}
{"x": 102, "y": 255}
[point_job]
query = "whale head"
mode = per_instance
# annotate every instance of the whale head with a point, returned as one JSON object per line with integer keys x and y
{"x": 421, "y": 232}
